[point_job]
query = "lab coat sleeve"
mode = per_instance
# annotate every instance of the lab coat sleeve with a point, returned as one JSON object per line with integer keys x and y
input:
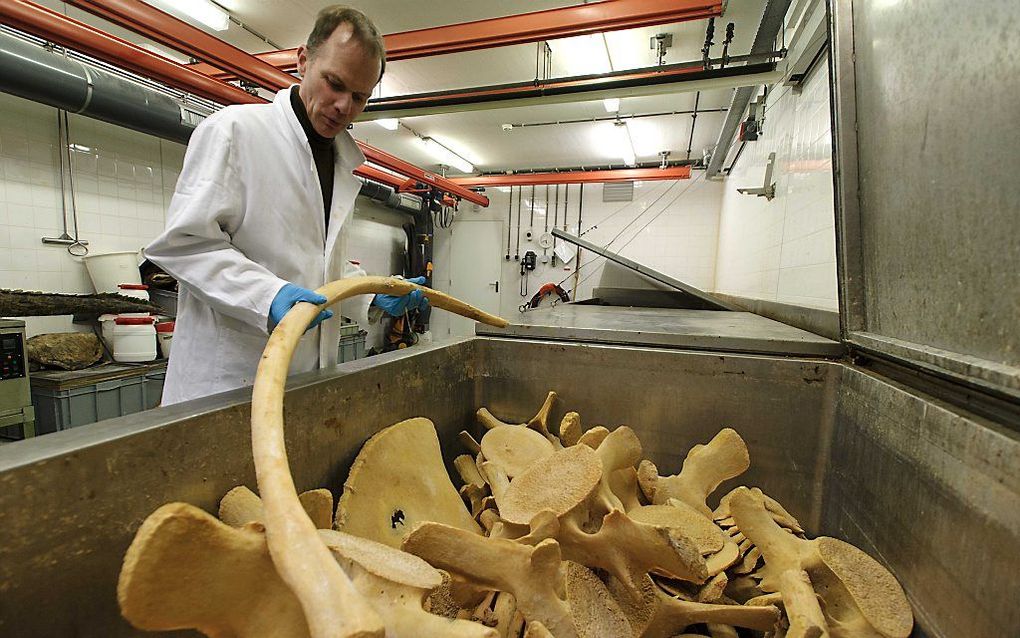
{"x": 196, "y": 247}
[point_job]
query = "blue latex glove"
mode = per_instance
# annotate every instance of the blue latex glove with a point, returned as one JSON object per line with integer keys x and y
{"x": 397, "y": 306}
{"x": 290, "y": 295}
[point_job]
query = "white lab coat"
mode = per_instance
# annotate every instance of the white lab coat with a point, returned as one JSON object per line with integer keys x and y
{"x": 245, "y": 219}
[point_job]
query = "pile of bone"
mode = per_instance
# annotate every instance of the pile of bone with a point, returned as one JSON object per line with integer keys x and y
{"x": 572, "y": 536}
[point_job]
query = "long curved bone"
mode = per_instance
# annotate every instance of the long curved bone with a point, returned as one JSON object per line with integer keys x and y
{"x": 861, "y": 597}
{"x": 330, "y": 602}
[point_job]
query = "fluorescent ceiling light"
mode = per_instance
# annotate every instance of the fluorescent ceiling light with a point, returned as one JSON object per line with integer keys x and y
{"x": 446, "y": 156}
{"x": 624, "y": 145}
{"x": 580, "y": 55}
{"x": 165, "y": 53}
{"x": 389, "y": 123}
{"x": 203, "y": 11}
{"x": 612, "y": 104}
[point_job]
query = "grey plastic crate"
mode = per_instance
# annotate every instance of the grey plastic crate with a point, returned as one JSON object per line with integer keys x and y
{"x": 57, "y": 409}
{"x": 153, "y": 388}
{"x": 352, "y": 347}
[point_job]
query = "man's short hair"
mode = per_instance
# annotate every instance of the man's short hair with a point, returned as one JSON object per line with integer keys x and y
{"x": 361, "y": 27}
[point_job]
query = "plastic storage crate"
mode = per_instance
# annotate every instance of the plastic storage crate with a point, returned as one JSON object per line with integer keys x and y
{"x": 352, "y": 347}
{"x": 153, "y": 388}
{"x": 64, "y": 400}
{"x": 64, "y": 409}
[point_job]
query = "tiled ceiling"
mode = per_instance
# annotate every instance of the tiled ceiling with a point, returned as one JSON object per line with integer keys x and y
{"x": 478, "y": 135}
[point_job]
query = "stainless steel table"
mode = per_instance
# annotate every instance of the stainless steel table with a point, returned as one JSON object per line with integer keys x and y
{"x": 666, "y": 327}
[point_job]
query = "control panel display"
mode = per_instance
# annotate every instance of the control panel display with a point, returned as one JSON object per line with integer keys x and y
{"x": 12, "y": 356}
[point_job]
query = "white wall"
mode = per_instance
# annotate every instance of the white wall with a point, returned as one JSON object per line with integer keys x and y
{"x": 122, "y": 184}
{"x": 680, "y": 241}
{"x": 784, "y": 250}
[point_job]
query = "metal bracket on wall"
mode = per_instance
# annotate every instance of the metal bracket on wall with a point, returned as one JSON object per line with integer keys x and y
{"x": 768, "y": 191}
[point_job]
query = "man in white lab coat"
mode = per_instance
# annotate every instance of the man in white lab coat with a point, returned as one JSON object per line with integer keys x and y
{"x": 254, "y": 223}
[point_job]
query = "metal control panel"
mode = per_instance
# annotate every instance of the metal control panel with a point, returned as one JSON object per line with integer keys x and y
{"x": 12, "y": 356}
{"x": 15, "y": 387}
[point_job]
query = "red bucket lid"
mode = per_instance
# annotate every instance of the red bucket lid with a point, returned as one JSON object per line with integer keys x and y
{"x": 133, "y": 286}
{"x": 166, "y": 326}
{"x": 134, "y": 321}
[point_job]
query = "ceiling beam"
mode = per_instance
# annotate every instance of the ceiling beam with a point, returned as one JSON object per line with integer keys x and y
{"x": 165, "y": 29}
{"x": 536, "y": 26}
{"x": 35, "y": 19}
{"x": 577, "y": 177}
{"x": 59, "y": 29}
{"x": 688, "y": 76}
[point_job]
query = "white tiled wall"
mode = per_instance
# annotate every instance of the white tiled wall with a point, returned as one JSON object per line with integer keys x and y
{"x": 123, "y": 181}
{"x": 784, "y": 250}
{"x": 671, "y": 226}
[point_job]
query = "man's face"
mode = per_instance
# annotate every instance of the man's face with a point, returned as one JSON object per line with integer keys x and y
{"x": 337, "y": 81}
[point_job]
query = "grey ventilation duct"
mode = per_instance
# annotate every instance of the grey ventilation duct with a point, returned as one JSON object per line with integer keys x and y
{"x": 403, "y": 202}
{"x": 30, "y": 71}
{"x": 764, "y": 38}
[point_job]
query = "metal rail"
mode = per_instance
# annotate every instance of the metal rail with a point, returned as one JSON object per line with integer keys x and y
{"x": 536, "y": 26}
{"x": 646, "y": 271}
{"x": 577, "y": 177}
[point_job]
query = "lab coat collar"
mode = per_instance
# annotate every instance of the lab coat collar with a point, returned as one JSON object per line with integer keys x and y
{"x": 349, "y": 154}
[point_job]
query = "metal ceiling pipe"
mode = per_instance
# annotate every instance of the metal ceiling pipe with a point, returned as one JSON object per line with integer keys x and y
{"x": 385, "y": 195}
{"x": 577, "y": 177}
{"x": 33, "y": 73}
{"x": 690, "y": 76}
{"x": 771, "y": 23}
{"x": 523, "y": 28}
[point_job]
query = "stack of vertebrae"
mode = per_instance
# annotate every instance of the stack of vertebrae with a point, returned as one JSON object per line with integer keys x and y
{"x": 569, "y": 535}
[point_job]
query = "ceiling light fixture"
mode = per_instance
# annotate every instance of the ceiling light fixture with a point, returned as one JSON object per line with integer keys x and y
{"x": 388, "y": 123}
{"x": 612, "y": 104}
{"x": 624, "y": 144}
{"x": 208, "y": 13}
{"x": 446, "y": 156}
{"x": 165, "y": 53}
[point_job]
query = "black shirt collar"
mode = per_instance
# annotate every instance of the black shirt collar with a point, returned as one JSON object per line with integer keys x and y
{"x": 314, "y": 139}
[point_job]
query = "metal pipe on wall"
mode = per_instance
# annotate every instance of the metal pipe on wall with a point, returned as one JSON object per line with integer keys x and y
{"x": 771, "y": 24}
{"x": 33, "y": 73}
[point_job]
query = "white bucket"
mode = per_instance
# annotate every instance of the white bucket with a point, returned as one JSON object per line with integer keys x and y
{"x": 134, "y": 339}
{"x": 138, "y": 291}
{"x": 108, "y": 270}
{"x": 107, "y": 324}
{"x": 165, "y": 335}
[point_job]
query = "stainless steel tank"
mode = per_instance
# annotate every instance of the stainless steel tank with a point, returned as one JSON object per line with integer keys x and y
{"x": 928, "y": 490}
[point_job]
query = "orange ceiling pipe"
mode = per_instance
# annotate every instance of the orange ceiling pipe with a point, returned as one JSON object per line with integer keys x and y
{"x": 164, "y": 28}
{"x": 578, "y": 177}
{"x": 33, "y": 18}
{"x": 56, "y": 27}
{"x": 550, "y": 24}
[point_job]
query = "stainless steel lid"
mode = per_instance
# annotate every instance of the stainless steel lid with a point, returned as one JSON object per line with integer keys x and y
{"x": 927, "y": 139}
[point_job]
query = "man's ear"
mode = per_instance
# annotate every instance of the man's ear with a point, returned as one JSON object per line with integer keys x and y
{"x": 302, "y": 60}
